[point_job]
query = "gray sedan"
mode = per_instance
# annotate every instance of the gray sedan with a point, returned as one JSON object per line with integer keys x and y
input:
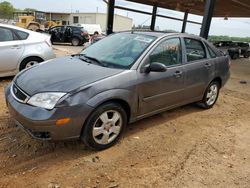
{"x": 118, "y": 80}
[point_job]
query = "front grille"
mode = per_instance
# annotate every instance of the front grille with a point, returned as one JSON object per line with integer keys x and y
{"x": 18, "y": 94}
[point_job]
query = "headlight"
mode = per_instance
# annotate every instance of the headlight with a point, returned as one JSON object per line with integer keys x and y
{"x": 45, "y": 100}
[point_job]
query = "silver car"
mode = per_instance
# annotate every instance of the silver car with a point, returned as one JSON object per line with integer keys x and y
{"x": 21, "y": 48}
{"x": 118, "y": 80}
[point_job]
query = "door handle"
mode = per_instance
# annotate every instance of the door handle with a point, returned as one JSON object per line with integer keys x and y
{"x": 15, "y": 47}
{"x": 178, "y": 74}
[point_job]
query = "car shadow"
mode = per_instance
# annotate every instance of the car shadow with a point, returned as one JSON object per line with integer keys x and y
{"x": 161, "y": 118}
{"x": 27, "y": 149}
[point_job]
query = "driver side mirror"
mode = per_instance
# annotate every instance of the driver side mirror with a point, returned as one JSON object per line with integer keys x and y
{"x": 155, "y": 67}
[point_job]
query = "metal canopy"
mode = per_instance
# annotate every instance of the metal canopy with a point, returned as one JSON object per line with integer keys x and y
{"x": 223, "y": 8}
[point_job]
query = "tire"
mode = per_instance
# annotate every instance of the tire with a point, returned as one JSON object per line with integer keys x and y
{"x": 247, "y": 55}
{"x": 33, "y": 27}
{"x": 75, "y": 41}
{"x": 28, "y": 62}
{"x": 211, "y": 95}
{"x": 235, "y": 56}
{"x": 99, "y": 132}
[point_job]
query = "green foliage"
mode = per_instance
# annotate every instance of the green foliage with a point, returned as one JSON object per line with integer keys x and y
{"x": 6, "y": 10}
{"x": 30, "y": 10}
{"x": 227, "y": 38}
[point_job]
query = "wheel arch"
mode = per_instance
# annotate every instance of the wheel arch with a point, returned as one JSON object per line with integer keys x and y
{"x": 217, "y": 79}
{"x": 28, "y": 57}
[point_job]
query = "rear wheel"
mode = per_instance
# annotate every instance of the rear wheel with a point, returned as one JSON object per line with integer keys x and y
{"x": 211, "y": 95}
{"x": 104, "y": 126}
{"x": 75, "y": 41}
{"x": 235, "y": 56}
{"x": 28, "y": 62}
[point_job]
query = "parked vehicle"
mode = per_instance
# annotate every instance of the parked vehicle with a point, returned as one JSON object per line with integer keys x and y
{"x": 22, "y": 48}
{"x": 238, "y": 49}
{"x": 69, "y": 34}
{"x": 223, "y": 45}
{"x": 234, "y": 49}
{"x": 91, "y": 28}
{"x": 31, "y": 20}
{"x": 120, "y": 79}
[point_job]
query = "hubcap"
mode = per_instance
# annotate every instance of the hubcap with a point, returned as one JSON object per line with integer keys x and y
{"x": 107, "y": 127}
{"x": 31, "y": 63}
{"x": 212, "y": 94}
{"x": 75, "y": 42}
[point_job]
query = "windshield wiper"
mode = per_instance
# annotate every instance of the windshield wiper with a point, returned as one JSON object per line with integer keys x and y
{"x": 87, "y": 58}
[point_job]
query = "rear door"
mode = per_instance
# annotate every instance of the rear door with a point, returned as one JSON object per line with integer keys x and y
{"x": 11, "y": 50}
{"x": 198, "y": 69}
{"x": 160, "y": 90}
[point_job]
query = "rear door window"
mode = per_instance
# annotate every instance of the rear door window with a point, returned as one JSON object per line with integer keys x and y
{"x": 195, "y": 50}
{"x": 6, "y": 35}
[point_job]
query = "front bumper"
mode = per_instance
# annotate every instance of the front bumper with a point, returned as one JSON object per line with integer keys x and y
{"x": 41, "y": 123}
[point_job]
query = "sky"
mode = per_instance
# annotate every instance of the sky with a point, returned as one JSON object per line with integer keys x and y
{"x": 239, "y": 27}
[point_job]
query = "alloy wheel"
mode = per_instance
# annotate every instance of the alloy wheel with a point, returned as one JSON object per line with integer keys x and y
{"x": 107, "y": 127}
{"x": 212, "y": 94}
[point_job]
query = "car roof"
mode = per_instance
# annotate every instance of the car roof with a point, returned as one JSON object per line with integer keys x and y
{"x": 15, "y": 27}
{"x": 161, "y": 34}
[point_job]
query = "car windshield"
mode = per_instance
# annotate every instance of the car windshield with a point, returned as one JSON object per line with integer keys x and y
{"x": 119, "y": 50}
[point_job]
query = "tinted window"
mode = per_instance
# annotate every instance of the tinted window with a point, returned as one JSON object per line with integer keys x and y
{"x": 56, "y": 29}
{"x": 194, "y": 49}
{"x": 22, "y": 35}
{"x": 167, "y": 52}
{"x": 6, "y": 35}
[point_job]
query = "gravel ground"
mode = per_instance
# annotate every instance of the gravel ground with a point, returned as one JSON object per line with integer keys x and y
{"x": 184, "y": 147}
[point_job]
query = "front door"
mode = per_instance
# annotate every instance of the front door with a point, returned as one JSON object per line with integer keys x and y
{"x": 162, "y": 90}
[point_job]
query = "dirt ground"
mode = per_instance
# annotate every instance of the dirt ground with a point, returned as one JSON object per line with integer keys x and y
{"x": 185, "y": 147}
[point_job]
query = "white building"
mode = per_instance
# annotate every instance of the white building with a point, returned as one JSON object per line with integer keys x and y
{"x": 121, "y": 23}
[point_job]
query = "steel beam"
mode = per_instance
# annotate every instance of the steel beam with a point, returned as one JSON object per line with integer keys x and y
{"x": 207, "y": 18}
{"x": 184, "y": 23}
{"x": 153, "y": 18}
{"x": 133, "y": 10}
{"x": 110, "y": 16}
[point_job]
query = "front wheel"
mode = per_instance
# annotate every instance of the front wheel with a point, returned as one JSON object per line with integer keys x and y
{"x": 247, "y": 55}
{"x": 104, "y": 126}
{"x": 211, "y": 95}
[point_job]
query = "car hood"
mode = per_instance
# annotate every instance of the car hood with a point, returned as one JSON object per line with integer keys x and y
{"x": 61, "y": 75}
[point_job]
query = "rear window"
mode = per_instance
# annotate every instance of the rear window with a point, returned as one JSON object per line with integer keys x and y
{"x": 22, "y": 35}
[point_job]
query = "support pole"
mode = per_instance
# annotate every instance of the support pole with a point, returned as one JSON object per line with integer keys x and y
{"x": 184, "y": 23}
{"x": 207, "y": 18}
{"x": 153, "y": 18}
{"x": 110, "y": 16}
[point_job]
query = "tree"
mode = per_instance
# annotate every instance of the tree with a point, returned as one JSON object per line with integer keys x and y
{"x": 30, "y": 10}
{"x": 6, "y": 10}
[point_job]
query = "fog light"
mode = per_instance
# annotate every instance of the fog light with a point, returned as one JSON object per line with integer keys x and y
{"x": 62, "y": 121}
